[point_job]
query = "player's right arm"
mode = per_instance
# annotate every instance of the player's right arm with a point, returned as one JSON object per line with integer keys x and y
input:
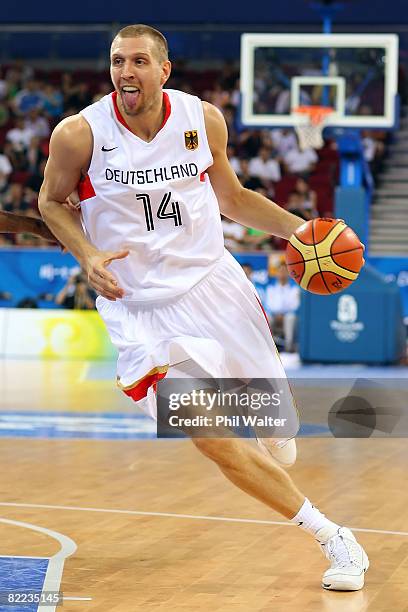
{"x": 70, "y": 154}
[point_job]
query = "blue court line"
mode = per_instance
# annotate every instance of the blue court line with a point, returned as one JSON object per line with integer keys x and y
{"x": 60, "y": 425}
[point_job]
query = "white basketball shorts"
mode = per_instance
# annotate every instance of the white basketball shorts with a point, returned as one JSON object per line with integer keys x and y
{"x": 219, "y": 324}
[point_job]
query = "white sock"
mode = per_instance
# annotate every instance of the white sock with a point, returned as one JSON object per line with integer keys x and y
{"x": 313, "y": 521}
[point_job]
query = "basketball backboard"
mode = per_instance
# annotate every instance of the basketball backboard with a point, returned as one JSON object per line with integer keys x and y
{"x": 355, "y": 74}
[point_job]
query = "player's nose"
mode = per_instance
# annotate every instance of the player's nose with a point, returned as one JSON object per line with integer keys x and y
{"x": 128, "y": 72}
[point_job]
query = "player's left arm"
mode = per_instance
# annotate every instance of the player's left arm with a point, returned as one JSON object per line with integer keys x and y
{"x": 14, "y": 223}
{"x": 237, "y": 203}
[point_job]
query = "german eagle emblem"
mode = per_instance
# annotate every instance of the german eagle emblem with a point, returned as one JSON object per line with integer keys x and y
{"x": 191, "y": 140}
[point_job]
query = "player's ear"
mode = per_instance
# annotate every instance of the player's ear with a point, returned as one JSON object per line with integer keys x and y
{"x": 166, "y": 71}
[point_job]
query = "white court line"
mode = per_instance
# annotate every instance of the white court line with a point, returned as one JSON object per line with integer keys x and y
{"x": 52, "y": 579}
{"x": 76, "y": 599}
{"x": 185, "y": 516}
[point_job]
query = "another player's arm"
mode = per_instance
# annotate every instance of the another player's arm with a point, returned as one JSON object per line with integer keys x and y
{"x": 14, "y": 224}
{"x": 237, "y": 203}
{"x": 70, "y": 154}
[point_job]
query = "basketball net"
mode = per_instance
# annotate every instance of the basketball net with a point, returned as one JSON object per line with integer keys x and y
{"x": 310, "y": 133}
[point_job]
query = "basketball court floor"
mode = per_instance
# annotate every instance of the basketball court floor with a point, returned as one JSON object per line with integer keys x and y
{"x": 93, "y": 506}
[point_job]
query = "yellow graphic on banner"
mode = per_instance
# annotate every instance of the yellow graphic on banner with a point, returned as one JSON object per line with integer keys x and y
{"x": 76, "y": 335}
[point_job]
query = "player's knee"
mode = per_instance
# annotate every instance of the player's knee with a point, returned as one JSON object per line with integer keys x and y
{"x": 221, "y": 451}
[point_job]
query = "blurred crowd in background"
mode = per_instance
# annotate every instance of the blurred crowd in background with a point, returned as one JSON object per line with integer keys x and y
{"x": 269, "y": 161}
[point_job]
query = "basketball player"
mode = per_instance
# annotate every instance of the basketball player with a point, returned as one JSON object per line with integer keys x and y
{"x": 156, "y": 178}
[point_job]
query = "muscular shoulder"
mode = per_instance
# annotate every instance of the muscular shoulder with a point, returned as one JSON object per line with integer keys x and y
{"x": 73, "y": 136}
{"x": 215, "y": 127}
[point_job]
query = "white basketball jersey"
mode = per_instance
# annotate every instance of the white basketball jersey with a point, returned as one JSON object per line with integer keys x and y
{"x": 153, "y": 198}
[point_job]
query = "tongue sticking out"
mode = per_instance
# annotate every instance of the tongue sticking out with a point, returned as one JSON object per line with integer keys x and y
{"x": 130, "y": 98}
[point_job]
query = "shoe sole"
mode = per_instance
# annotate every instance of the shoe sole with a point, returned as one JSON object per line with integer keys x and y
{"x": 344, "y": 585}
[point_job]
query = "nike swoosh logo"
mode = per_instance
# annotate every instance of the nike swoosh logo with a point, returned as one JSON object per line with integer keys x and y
{"x": 104, "y": 149}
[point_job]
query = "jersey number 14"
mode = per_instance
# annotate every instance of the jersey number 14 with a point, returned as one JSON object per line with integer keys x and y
{"x": 162, "y": 212}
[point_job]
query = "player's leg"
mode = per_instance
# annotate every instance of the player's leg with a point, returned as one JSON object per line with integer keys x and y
{"x": 253, "y": 473}
{"x": 256, "y": 475}
{"x": 138, "y": 369}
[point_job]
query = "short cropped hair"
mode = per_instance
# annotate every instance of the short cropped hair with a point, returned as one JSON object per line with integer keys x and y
{"x": 139, "y": 29}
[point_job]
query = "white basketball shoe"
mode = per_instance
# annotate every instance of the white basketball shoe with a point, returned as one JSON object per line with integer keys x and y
{"x": 282, "y": 451}
{"x": 348, "y": 559}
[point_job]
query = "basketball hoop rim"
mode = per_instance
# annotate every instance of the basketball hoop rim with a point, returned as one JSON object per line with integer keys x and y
{"x": 316, "y": 114}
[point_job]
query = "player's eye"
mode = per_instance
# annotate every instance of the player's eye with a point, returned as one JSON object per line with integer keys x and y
{"x": 116, "y": 61}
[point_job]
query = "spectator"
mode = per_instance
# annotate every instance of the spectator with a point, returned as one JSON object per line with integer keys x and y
{"x": 5, "y": 296}
{"x": 248, "y": 181}
{"x": 19, "y": 136}
{"x": 265, "y": 167}
{"x": 27, "y": 302}
{"x": 12, "y": 86}
{"x": 4, "y": 113}
{"x": 282, "y": 104}
{"x": 229, "y": 75}
{"x": 103, "y": 90}
{"x": 20, "y": 71}
{"x": 236, "y": 94}
{"x": 282, "y": 302}
{"x": 53, "y": 101}
{"x": 14, "y": 199}
{"x": 33, "y": 185}
{"x": 229, "y": 112}
{"x": 234, "y": 234}
{"x": 257, "y": 240}
{"x": 296, "y": 205}
{"x": 233, "y": 159}
{"x": 76, "y": 294}
{"x": 34, "y": 155}
{"x": 309, "y": 198}
{"x": 218, "y": 96}
{"x": 29, "y": 98}
{"x": 301, "y": 162}
{"x": 3, "y": 89}
{"x": 249, "y": 143}
{"x": 79, "y": 97}
{"x": 38, "y": 124}
{"x": 5, "y": 170}
{"x": 283, "y": 140}
{"x": 373, "y": 151}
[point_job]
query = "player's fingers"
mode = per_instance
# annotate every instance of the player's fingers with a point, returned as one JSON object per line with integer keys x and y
{"x": 106, "y": 276}
{"x": 73, "y": 199}
{"x": 106, "y": 294}
{"x": 71, "y": 205}
{"x": 116, "y": 255}
{"x": 105, "y": 281}
{"x": 101, "y": 289}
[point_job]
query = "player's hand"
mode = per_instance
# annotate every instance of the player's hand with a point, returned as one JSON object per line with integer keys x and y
{"x": 100, "y": 278}
{"x": 73, "y": 203}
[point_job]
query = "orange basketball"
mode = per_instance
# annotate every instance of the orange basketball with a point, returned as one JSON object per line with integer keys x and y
{"x": 324, "y": 256}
